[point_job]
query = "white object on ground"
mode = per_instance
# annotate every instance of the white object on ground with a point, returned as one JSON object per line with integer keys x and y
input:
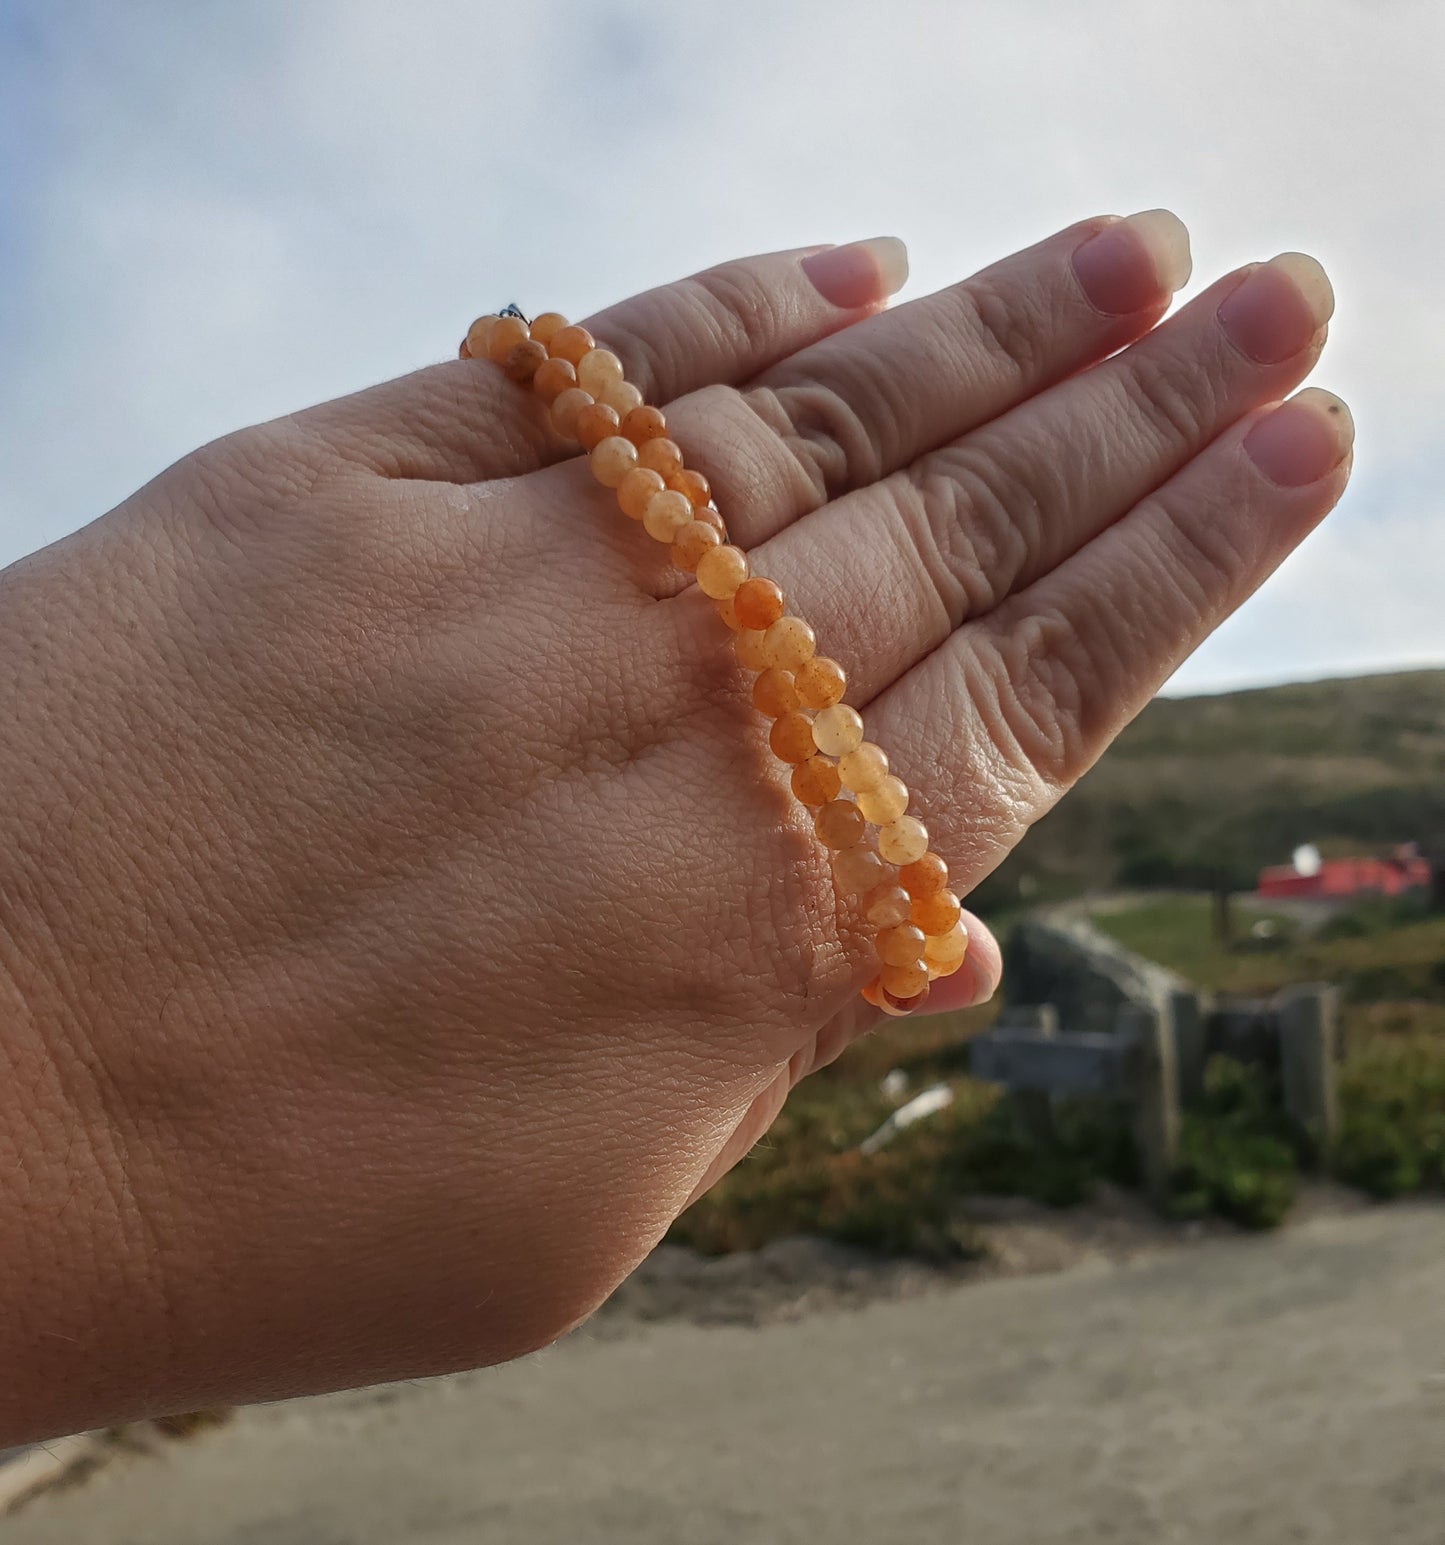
{"x": 929, "y": 1103}
{"x": 894, "y": 1085}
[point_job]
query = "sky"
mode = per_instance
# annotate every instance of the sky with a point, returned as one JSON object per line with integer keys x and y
{"x": 213, "y": 212}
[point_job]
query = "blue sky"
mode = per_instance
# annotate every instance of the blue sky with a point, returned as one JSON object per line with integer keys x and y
{"x": 213, "y": 213}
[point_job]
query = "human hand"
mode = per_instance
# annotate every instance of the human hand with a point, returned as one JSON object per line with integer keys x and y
{"x": 403, "y": 915}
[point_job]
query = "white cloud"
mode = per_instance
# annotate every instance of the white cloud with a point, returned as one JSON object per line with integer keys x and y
{"x": 243, "y": 209}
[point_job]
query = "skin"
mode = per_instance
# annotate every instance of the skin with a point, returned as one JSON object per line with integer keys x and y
{"x": 401, "y": 917}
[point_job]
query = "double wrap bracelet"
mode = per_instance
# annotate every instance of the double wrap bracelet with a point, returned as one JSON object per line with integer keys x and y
{"x": 880, "y": 855}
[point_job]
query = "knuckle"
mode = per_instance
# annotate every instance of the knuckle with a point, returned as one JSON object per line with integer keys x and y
{"x": 1031, "y": 695}
{"x": 974, "y": 525}
{"x": 1167, "y": 394}
{"x": 824, "y": 433}
{"x": 1005, "y": 325}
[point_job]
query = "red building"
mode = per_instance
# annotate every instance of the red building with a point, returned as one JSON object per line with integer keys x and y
{"x": 1404, "y": 870}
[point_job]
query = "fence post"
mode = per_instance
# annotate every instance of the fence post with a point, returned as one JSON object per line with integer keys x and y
{"x": 1033, "y": 1107}
{"x": 1186, "y": 1015}
{"x": 1309, "y": 1036}
{"x": 1156, "y": 1096}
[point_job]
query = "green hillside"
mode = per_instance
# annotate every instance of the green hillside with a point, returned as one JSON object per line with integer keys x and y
{"x": 1236, "y": 781}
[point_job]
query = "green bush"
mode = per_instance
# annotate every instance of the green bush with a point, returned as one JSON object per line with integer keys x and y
{"x": 1392, "y": 1116}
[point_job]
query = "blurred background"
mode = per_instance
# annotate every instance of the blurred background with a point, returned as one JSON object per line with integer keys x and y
{"x": 1225, "y": 1005}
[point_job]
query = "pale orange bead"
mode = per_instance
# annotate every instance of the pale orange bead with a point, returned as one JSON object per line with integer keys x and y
{"x": 691, "y": 543}
{"x": 661, "y": 455}
{"x": 546, "y": 327}
{"x": 943, "y": 948}
{"x": 571, "y": 343}
{"x": 937, "y": 913}
{"x": 863, "y": 768}
{"x": 902, "y": 840}
{"x": 858, "y": 870}
{"x": 567, "y": 408}
{"x": 759, "y": 602}
{"x": 899, "y": 1008}
{"x": 666, "y": 514}
{"x": 925, "y": 876}
{"x": 790, "y": 643}
{"x": 937, "y": 969}
{"x": 815, "y": 781}
{"x": 622, "y": 397}
{"x": 711, "y": 517}
{"x": 884, "y": 803}
{"x": 553, "y": 378}
{"x": 873, "y": 993}
{"x": 597, "y": 370}
{"x": 506, "y": 333}
{"x": 637, "y": 490}
{"x": 478, "y": 334}
{"x": 722, "y": 571}
{"x": 900, "y": 945}
{"x": 521, "y": 364}
{"x": 692, "y": 484}
{"x": 791, "y": 737}
{"x": 728, "y": 612}
{"x": 643, "y": 424}
{"x": 594, "y": 424}
{"x": 774, "y": 693}
{"x": 838, "y": 730}
{"x": 840, "y": 824}
{"x": 886, "y": 906}
{"x": 904, "y": 981}
{"x": 612, "y": 459}
{"x": 750, "y": 647}
{"x": 821, "y": 682}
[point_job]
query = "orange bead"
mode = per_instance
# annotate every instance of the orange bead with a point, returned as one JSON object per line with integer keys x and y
{"x": 598, "y": 369}
{"x": 864, "y": 767}
{"x": 840, "y": 824}
{"x": 546, "y": 327}
{"x": 477, "y": 335}
{"x": 886, "y": 906}
{"x": 622, "y": 397}
{"x": 884, "y": 803}
{"x": 571, "y": 343}
{"x": 691, "y": 543}
{"x": 749, "y": 647}
{"x": 553, "y": 378}
{"x": 612, "y": 459}
{"x": 524, "y": 360}
{"x": 666, "y": 513}
{"x": 858, "y": 870}
{"x": 791, "y": 737}
{"x": 924, "y": 876}
{"x": 937, "y": 913}
{"x": 722, "y": 571}
{"x": 821, "y": 682}
{"x": 838, "y": 730}
{"x": 815, "y": 781}
{"x": 644, "y": 424}
{"x": 759, "y": 602}
{"x": 900, "y": 944}
{"x": 873, "y": 993}
{"x": 774, "y": 694}
{"x": 594, "y": 424}
{"x": 944, "y": 948}
{"x": 898, "y": 1007}
{"x": 941, "y": 968}
{"x": 692, "y": 484}
{"x": 905, "y": 980}
{"x": 505, "y": 334}
{"x": 790, "y": 643}
{"x": 567, "y": 409}
{"x": 661, "y": 455}
{"x": 903, "y": 840}
{"x": 635, "y": 492}
{"x": 712, "y": 518}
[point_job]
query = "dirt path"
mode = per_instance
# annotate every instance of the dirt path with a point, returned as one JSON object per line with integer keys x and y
{"x": 1289, "y": 1388}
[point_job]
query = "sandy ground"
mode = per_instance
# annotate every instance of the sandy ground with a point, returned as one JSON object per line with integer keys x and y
{"x": 1288, "y": 1388}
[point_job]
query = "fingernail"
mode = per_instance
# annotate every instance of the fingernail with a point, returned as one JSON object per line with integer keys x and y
{"x": 1278, "y": 308}
{"x": 1302, "y": 439}
{"x": 860, "y": 274}
{"x": 1122, "y": 268}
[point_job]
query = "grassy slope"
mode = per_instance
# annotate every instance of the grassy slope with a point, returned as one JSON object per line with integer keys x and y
{"x": 1239, "y": 780}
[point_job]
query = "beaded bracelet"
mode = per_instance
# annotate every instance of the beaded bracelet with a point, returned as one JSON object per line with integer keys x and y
{"x": 899, "y": 886}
